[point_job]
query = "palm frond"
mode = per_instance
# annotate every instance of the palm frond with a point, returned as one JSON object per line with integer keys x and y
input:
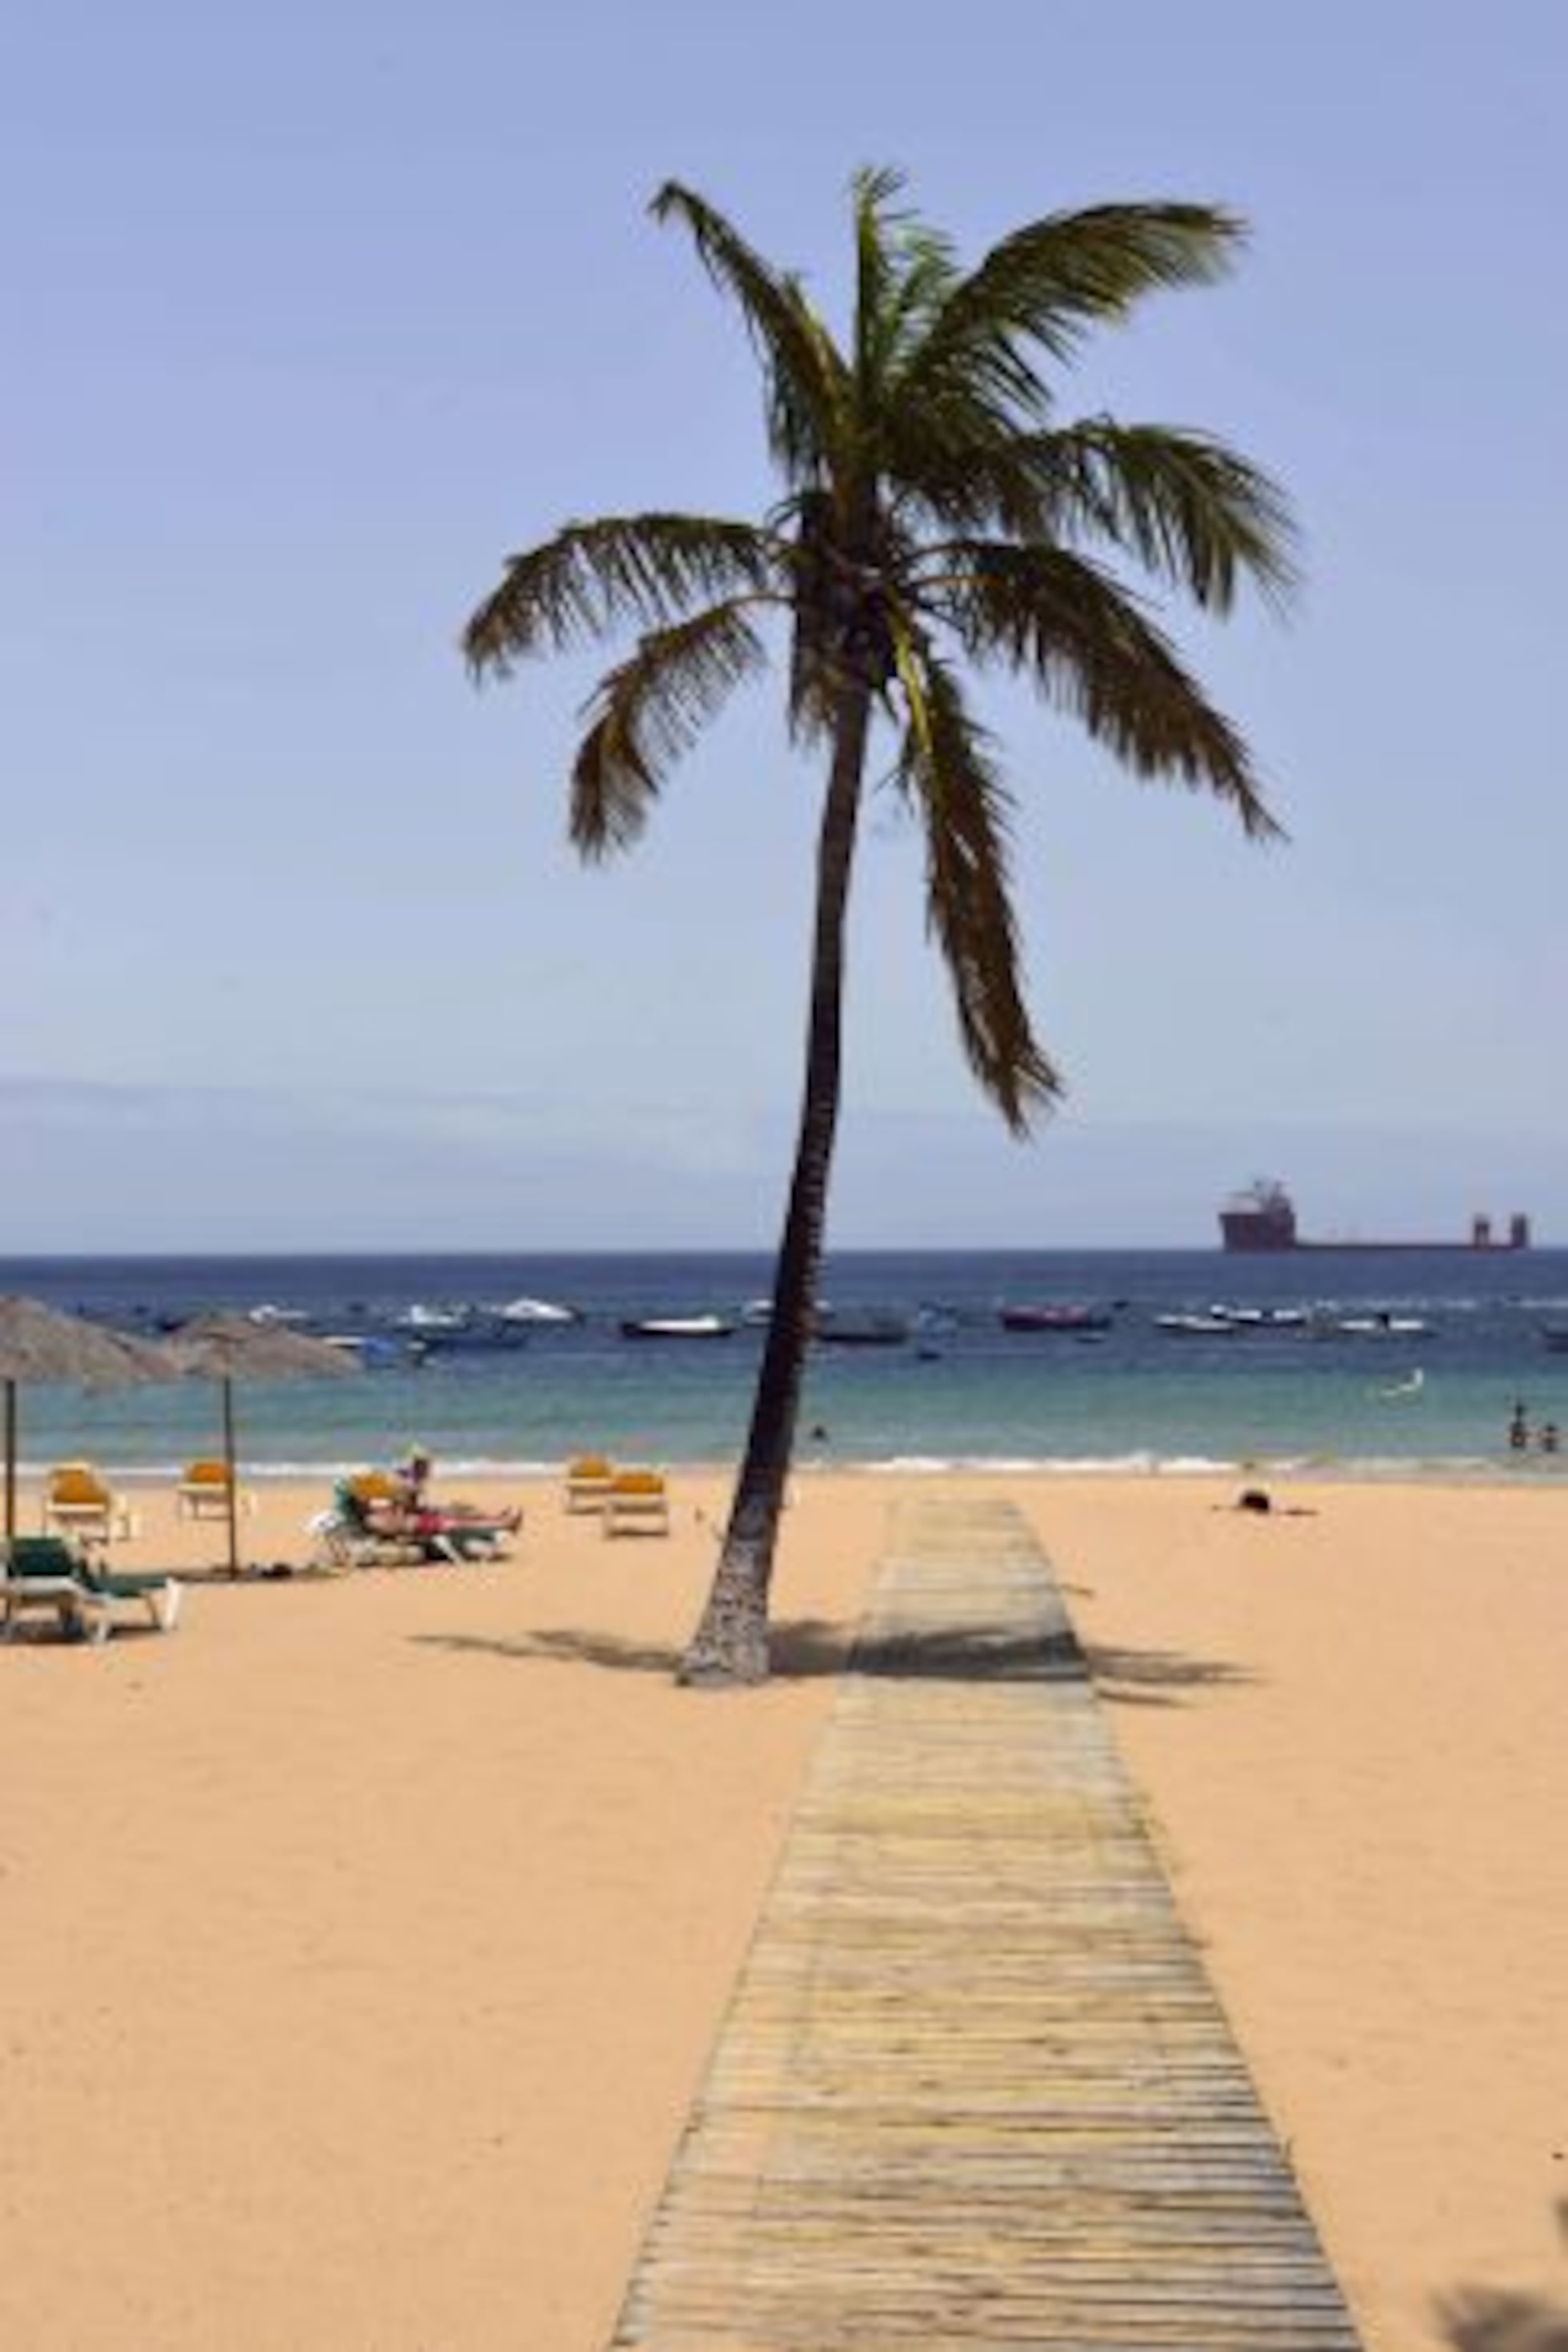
{"x": 945, "y": 769}
{"x": 1051, "y": 281}
{"x": 905, "y": 270}
{"x": 806, "y": 378}
{"x": 1190, "y": 510}
{"x": 644, "y": 569}
{"x": 648, "y": 711}
{"x": 1059, "y": 620}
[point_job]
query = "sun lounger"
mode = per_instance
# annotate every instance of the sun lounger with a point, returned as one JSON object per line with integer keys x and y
{"x": 638, "y": 1503}
{"x": 47, "y": 1572}
{"x": 589, "y": 1482}
{"x": 203, "y": 1493}
{"x": 78, "y": 1501}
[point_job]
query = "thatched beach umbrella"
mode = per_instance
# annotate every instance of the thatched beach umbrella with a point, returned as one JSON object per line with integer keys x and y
{"x": 38, "y": 1343}
{"x": 229, "y": 1348}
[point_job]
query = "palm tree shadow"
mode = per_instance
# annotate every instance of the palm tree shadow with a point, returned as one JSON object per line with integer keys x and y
{"x": 1157, "y": 1677}
{"x": 1480, "y": 2319}
{"x": 804, "y": 1649}
{"x": 1489, "y": 2319}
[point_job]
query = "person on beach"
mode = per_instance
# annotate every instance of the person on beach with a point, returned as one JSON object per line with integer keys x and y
{"x": 452, "y": 1530}
{"x": 1519, "y": 1427}
{"x": 1547, "y": 1439}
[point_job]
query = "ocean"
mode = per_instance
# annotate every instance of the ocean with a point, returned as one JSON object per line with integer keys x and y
{"x": 963, "y": 1389}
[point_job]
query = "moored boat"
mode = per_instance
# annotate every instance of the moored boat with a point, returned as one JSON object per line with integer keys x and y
{"x": 870, "y": 1331}
{"x": 1055, "y": 1319}
{"x": 677, "y": 1327}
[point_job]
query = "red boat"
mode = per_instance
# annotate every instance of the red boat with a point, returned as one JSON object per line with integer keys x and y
{"x": 1069, "y": 1319}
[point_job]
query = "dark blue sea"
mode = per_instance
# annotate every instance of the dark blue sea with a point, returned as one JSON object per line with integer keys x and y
{"x": 960, "y": 1390}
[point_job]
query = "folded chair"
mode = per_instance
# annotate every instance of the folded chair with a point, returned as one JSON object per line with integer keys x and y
{"x": 78, "y": 1501}
{"x": 47, "y": 1572}
{"x": 638, "y": 1503}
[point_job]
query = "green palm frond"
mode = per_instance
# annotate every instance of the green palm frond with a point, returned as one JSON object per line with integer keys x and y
{"x": 1191, "y": 510}
{"x": 945, "y": 768}
{"x": 807, "y": 383}
{"x": 1051, "y": 281}
{"x": 647, "y": 569}
{"x": 1059, "y": 620}
{"x": 648, "y": 711}
{"x": 905, "y": 270}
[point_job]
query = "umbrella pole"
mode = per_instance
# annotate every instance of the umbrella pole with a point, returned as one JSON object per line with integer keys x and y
{"x": 233, "y": 1476}
{"x": 10, "y": 1460}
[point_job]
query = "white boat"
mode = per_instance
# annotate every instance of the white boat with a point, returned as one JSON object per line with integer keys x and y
{"x": 536, "y": 1311}
{"x": 677, "y": 1327}
{"x": 1196, "y": 1327}
{"x": 267, "y": 1317}
{"x": 1261, "y": 1319}
{"x": 433, "y": 1318}
{"x": 1382, "y": 1326}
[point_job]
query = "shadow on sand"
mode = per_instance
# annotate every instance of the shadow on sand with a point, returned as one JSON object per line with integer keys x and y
{"x": 806, "y": 1648}
{"x": 1478, "y": 2319}
{"x": 1158, "y": 1677}
{"x": 1484, "y": 2319}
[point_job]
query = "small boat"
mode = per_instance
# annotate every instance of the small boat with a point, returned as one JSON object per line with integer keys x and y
{"x": 1196, "y": 1327}
{"x": 1055, "y": 1319}
{"x": 873, "y": 1331}
{"x": 537, "y": 1311}
{"x": 758, "y": 1313}
{"x": 677, "y": 1327}
{"x": 1262, "y": 1319}
{"x": 268, "y": 1316}
{"x": 372, "y": 1350}
{"x": 432, "y": 1319}
{"x": 1382, "y": 1326}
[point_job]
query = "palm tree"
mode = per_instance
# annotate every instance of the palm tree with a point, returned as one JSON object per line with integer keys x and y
{"x": 934, "y": 513}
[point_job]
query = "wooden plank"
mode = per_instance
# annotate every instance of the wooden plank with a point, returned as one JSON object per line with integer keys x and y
{"x": 974, "y": 2085}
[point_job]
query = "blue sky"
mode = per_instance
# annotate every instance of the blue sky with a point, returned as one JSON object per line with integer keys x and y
{"x": 314, "y": 314}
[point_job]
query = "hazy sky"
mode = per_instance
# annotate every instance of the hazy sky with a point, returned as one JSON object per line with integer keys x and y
{"x": 312, "y": 314}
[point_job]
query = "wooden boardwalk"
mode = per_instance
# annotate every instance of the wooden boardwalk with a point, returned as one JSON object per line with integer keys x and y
{"x": 973, "y": 2087}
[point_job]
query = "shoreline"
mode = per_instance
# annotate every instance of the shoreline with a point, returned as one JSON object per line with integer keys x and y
{"x": 1547, "y": 1473}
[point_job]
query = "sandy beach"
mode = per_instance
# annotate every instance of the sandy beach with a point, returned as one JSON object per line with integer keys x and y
{"x": 365, "y": 1939}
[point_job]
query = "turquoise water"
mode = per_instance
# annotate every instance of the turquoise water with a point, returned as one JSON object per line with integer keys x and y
{"x": 963, "y": 1389}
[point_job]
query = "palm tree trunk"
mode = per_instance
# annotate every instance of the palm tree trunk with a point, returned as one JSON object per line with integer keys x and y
{"x": 731, "y": 1644}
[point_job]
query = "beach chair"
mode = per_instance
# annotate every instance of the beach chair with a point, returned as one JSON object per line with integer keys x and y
{"x": 346, "y": 1535}
{"x": 588, "y": 1480}
{"x": 78, "y": 1502}
{"x": 203, "y": 1493}
{"x": 49, "y": 1572}
{"x": 638, "y": 1503}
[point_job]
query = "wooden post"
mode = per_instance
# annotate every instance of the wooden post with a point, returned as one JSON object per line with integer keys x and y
{"x": 10, "y": 1460}
{"x": 233, "y": 1474}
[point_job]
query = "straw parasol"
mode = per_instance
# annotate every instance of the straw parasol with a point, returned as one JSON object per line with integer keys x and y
{"x": 229, "y": 1348}
{"x": 38, "y": 1343}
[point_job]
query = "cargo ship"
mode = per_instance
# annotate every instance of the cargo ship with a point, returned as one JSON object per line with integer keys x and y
{"x": 1261, "y": 1221}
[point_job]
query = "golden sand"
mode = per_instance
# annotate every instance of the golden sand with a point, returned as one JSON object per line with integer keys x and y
{"x": 365, "y": 1939}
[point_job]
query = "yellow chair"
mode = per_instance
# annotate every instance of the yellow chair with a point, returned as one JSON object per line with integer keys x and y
{"x": 638, "y": 1503}
{"x": 589, "y": 1482}
{"x": 203, "y": 1493}
{"x": 78, "y": 1501}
